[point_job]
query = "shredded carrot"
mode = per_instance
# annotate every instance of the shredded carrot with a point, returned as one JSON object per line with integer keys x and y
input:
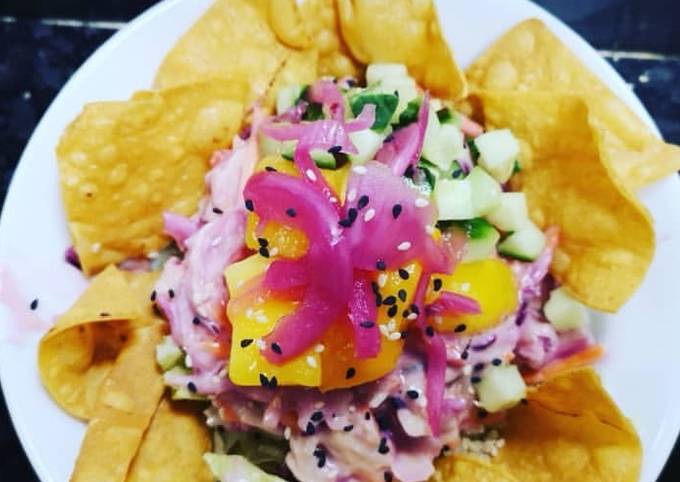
{"x": 583, "y": 358}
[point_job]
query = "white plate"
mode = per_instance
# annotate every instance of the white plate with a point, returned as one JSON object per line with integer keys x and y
{"x": 641, "y": 339}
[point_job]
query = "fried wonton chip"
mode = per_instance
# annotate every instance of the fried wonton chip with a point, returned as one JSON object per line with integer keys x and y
{"x": 174, "y": 445}
{"x": 126, "y": 403}
{"x": 122, "y": 164}
{"x": 531, "y": 58}
{"x": 570, "y": 430}
{"x": 606, "y": 235}
{"x": 299, "y": 68}
{"x": 407, "y": 32}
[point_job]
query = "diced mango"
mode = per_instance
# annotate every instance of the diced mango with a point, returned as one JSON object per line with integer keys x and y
{"x": 279, "y": 163}
{"x": 337, "y": 180}
{"x": 237, "y": 275}
{"x": 490, "y": 282}
{"x": 252, "y": 317}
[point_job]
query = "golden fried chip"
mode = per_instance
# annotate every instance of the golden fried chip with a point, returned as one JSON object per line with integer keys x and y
{"x": 174, "y": 445}
{"x": 126, "y": 402}
{"x": 531, "y": 58}
{"x": 606, "y": 236}
{"x": 407, "y": 32}
{"x": 299, "y": 68}
{"x": 569, "y": 431}
{"x": 123, "y": 163}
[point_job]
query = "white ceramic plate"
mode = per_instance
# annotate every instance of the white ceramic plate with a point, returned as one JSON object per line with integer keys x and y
{"x": 641, "y": 339}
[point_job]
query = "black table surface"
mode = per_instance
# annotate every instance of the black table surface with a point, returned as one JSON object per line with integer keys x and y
{"x": 43, "y": 42}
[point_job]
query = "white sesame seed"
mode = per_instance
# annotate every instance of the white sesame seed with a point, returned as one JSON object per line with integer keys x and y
{"x": 259, "y": 343}
{"x": 392, "y": 325}
{"x": 429, "y": 229}
{"x": 360, "y": 170}
{"x": 352, "y": 195}
{"x": 368, "y": 215}
{"x": 383, "y": 329}
{"x": 405, "y": 246}
{"x": 249, "y": 313}
{"x": 96, "y": 247}
{"x": 286, "y": 433}
{"x": 333, "y": 200}
{"x": 382, "y": 279}
{"x": 310, "y": 175}
{"x": 394, "y": 336}
{"x": 352, "y": 409}
{"x": 412, "y": 316}
{"x": 188, "y": 362}
{"x": 311, "y": 361}
{"x": 467, "y": 370}
{"x": 438, "y": 320}
{"x": 320, "y": 404}
{"x": 421, "y": 202}
{"x": 273, "y": 251}
{"x": 319, "y": 348}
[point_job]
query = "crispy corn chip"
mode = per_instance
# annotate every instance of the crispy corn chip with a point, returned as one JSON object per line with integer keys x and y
{"x": 299, "y": 68}
{"x": 569, "y": 431}
{"x": 125, "y": 405}
{"x": 123, "y": 163}
{"x": 403, "y": 31}
{"x": 606, "y": 236}
{"x": 530, "y": 58}
{"x": 173, "y": 446}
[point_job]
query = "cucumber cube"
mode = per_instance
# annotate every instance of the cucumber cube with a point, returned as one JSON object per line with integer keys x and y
{"x": 168, "y": 354}
{"x": 525, "y": 244}
{"x": 497, "y": 153}
{"x": 287, "y": 97}
{"x": 564, "y": 312}
{"x": 446, "y": 145}
{"x": 485, "y": 190}
{"x": 454, "y": 199}
{"x": 502, "y": 387}
{"x": 510, "y": 214}
{"x": 368, "y": 143}
{"x": 482, "y": 248}
{"x": 323, "y": 158}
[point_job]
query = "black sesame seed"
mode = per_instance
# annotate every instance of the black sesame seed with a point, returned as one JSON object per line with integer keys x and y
{"x": 388, "y": 476}
{"x": 396, "y": 211}
{"x": 404, "y": 334}
{"x": 405, "y": 313}
{"x": 475, "y": 379}
{"x": 273, "y": 383}
{"x": 378, "y": 300}
{"x": 380, "y": 265}
{"x": 478, "y": 367}
{"x": 402, "y": 294}
{"x": 350, "y": 373}
{"x": 196, "y": 320}
{"x": 524, "y": 401}
{"x": 403, "y": 274}
{"x": 104, "y": 314}
{"x": 264, "y": 252}
{"x": 390, "y": 300}
{"x": 392, "y": 311}
{"x": 437, "y": 284}
{"x": 171, "y": 293}
{"x": 367, "y": 324}
{"x": 276, "y": 348}
{"x": 264, "y": 381}
{"x": 310, "y": 429}
{"x": 249, "y": 205}
{"x": 153, "y": 295}
{"x": 383, "y": 422}
{"x": 262, "y": 242}
{"x": 348, "y": 428}
{"x": 412, "y": 394}
{"x": 246, "y": 342}
{"x": 291, "y": 212}
{"x": 460, "y": 328}
{"x": 464, "y": 355}
{"x": 367, "y": 416}
{"x": 317, "y": 416}
{"x": 383, "y": 448}
{"x": 375, "y": 287}
{"x": 397, "y": 403}
{"x": 321, "y": 461}
{"x": 335, "y": 150}
{"x": 270, "y": 169}
{"x": 481, "y": 413}
{"x": 217, "y": 211}
{"x": 192, "y": 387}
{"x": 497, "y": 362}
{"x": 414, "y": 308}
{"x": 409, "y": 171}
{"x": 352, "y": 214}
{"x": 429, "y": 331}
{"x": 363, "y": 202}
{"x": 345, "y": 223}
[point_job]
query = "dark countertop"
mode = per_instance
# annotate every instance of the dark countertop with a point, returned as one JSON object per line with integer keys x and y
{"x": 43, "y": 43}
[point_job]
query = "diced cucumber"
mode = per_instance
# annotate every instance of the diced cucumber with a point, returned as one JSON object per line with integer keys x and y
{"x": 454, "y": 199}
{"x": 168, "y": 354}
{"x": 485, "y": 190}
{"x": 405, "y": 88}
{"x": 525, "y": 244}
{"x": 287, "y": 97}
{"x": 409, "y": 114}
{"x": 288, "y": 149}
{"x": 385, "y": 106}
{"x": 502, "y": 387}
{"x": 272, "y": 147}
{"x": 323, "y": 158}
{"x": 442, "y": 143}
{"x": 482, "y": 238}
{"x": 379, "y": 71}
{"x": 236, "y": 468}
{"x": 497, "y": 153}
{"x": 368, "y": 143}
{"x": 182, "y": 393}
{"x": 564, "y": 312}
{"x": 511, "y": 213}
{"x": 447, "y": 116}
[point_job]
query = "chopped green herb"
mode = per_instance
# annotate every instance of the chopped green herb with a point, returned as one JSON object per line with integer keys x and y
{"x": 314, "y": 112}
{"x": 456, "y": 171}
{"x": 517, "y": 167}
{"x": 304, "y": 92}
{"x": 385, "y": 105}
{"x": 444, "y": 115}
{"x": 410, "y": 114}
{"x": 474, "y": 152}
{"x": 475, "y": 228}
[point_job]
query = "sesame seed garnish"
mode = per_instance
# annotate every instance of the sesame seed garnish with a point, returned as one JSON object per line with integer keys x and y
{"x": 429, "y": 229}
{"x": 270, "y": 169}
{"x": 396, "y": 211}
{"x": 382, "y": 280}
{"x": 311, "y": 361}
{"x": 421, "y": 202}
{"x": 402, "y": 294}
{"x": 287, "y": 432}
{"x": 380, "y": 265}
{"x": 412, "y": 394}
{"x": 378, "y": 300}
{"x": 352, "y": 214}
{"x": 361, "y": 170}
{"x": 264, "y": 381}
{"x": 414, "y": 308}
{"x": 387, "y": 476}
{"x": 460, "y": 328}
{"x": 217, "y": 211}
{"x": 429, "y": 331}
{"x": 464, "y": 355}
{"x": 276, "y": 348}
{"x": 34, "y": 304}
{"x": 262, "y": 242}
{"x": 412, "y": 316}
{"x": 104, "y": 314}
{"x": 481, "y": 413}
{"x": 153, "y": 295}
{"x": 273, "y": 382}
{"x": 348, "y": 428}
{"x": 345, "y": 223}
{"x": 352, "y": 195}
{"x": 350, "y": 373}
{"x": 497, "y": 362}
{"x": 260, "y": 344}
{"x": 363, "y": 202}
{"x": 171, "y": 293}
{"x": 375, "y": 287}
{"x": 392, "y": 311}
{"x": 367, "y": 416}
{"x": 394, "y": 336}
{"x": 264, "y": 252}
{"x": 310, "y": 175}
{"x": 310, "y": 429}
{"x": 383, "y": 448}
{"x": 405, "y": 246}
{"x": 475, "y": 379}
{"x": 409, "y": 171}
{"x": 291, "y": 212}
{"x": 437, "y": 284}
{"x": 367, "y": 324}
{"x": 335, "y": 150}
{"x": 246, "y": 342}
{"x": 196, "y": 320}
{"x": 319, "y": 348}
{"x": 390, "y": 300}
{"x": 317, "y": 416}
{"x": 192, "y": 387}
{"x": 249, "y": 205}
{"x": 403, "y": 274}
{"x": 369, "y": 214}
{"x": 478, "y": 366}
